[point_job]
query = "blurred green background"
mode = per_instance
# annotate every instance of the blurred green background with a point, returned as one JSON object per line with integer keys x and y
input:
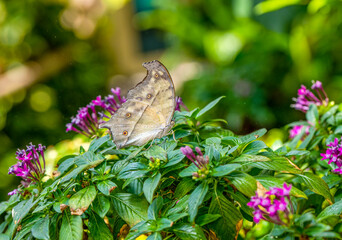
{"x": 58, "y": 55}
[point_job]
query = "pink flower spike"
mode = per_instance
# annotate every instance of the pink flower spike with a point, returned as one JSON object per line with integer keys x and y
{"x": 272, "y": 209}
{"x": 286, "y": 189}
{"x": 281, "y": 204}
{"x": 316, "y": 85}
{"x": 198, "y": 150}
{"x": 257, "y": 216}
{"x": 265, "y": 202}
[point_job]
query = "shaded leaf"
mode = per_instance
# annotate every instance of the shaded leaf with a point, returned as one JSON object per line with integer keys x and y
{"x": 332, "y": 210}
{"x": 223, "y": 170}
{"x": 155, "y": 152}
{"x": 269, "y": 181}
{"x": 131, "y": 208}
{"x": 106, "y": 186}
{"x": 101, "y": 205}
{"x": 228, "y": 226}
{"x": 207, "y": 218}
{"x": 196, "y": 199}
{"x": 209, "y": 106}
{"x": 98, "y": 228}
{"x": 316, "y": 184}
{"x": 40, "y": 229}
{"x": 72, "y": 227}
{"x": 244, "y": 182}
{"x": 187, "y": 231}
{"x": 150, "y": 186}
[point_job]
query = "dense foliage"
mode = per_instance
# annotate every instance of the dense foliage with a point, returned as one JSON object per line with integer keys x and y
{"x": 204, "y": 182}
{"x": 256, "y": 53}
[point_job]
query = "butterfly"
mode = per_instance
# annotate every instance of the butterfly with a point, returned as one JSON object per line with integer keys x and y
{"x": 148, "y": 110}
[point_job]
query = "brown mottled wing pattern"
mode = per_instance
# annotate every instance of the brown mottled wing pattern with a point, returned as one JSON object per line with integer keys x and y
{"x": 148, "y": 111}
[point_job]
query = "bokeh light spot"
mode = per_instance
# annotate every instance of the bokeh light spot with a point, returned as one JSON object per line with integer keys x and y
{"x": 41, "y": 99}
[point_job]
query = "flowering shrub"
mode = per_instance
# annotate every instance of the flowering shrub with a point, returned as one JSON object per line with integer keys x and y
{"x": 204, "y": 182}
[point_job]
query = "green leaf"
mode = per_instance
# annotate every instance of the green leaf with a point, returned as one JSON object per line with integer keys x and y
{"x": 80, "y": 201}
{"x": 131, "y": 208}
{"x": 297, "y": 153}
{"x": 154, "y": 208}
{"x": 4, "y": 237}
{"x": 98, "y": 142}
{"x": 338, "y": 130}
{"x": 72, "y": 227}
{"x": 106, "y": 186}
{"x": 163, "y": 223}
{"x": 332, "y": 180}
{"x": 188, "y": 171}
{"x": 270, "y": 6}
{"x": 133, "y": 170}
{"x": 155, "y": 236}
{"x": 66, "y": 163}
{"x": 155, "y": 152}
{"x": 180, "y": 205}
{"x": 40, "y": 229}
{"x": 185, "y": 186}
{"x": 253, "y": 135}
{"x": 186, "y": 231}
{"x": 225, "y": 169}
{"x": 312, "y": 115}
{"x": 242, "y": 200}
{"x": 196, "y": 199}
{"x": 254, "y": 147}
{"x": 247, "y": 158}
{"x": 21, "y": 210}
{"x": 150, "y": 186}
{"x": 269, "y": 181}
{"x": 316, "y": 184}
{"x": 244, "y": 182}
{"x": 332, "y": 210}
{"x": 280, "y": 164}
{"x": 98, "y": 228}
{"x": 90, "y": 159}
{"x": 308, "y": 138}
{"x": 54, "y": 227}
{"x": 228, "y": 226}
{"x": 209, "y": 106}
{"x": 329, "y": 113}
{"x": 207, "y": 218}
{"x": 177, "y": 216}
{"x": 174, "y": 157}
{"x": 101, "y": 205}
{"x": 213, "y": 141}
{"x": 73, "y": 173}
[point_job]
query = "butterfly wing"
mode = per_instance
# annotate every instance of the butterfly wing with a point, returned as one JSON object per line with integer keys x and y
{"x": 148, "y": 111}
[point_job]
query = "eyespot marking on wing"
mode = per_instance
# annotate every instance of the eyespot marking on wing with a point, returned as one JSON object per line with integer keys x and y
{"x": 125, "y": 133}
{"x": 148, "y": 96}
{"x": 128, "y": 115}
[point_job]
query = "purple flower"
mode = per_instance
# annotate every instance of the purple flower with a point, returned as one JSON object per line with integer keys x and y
{"x": 200, "y": 161}
{"x": 30, "y": 166}
{"x": 180, "y": 103}
{"x": 274, "y": 206}
{"x": 297, "y": 130}
{"x": 334, "y": 155}
{"x": 306, "y": 97}
{"x": 15, "y": 191}
{"x": 88, "y": 119}
{"x": 257, "y": 216}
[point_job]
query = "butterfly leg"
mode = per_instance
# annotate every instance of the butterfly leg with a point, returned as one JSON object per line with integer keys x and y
{"x": 174, "y": 136}
{"x": 150, "y": 144}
